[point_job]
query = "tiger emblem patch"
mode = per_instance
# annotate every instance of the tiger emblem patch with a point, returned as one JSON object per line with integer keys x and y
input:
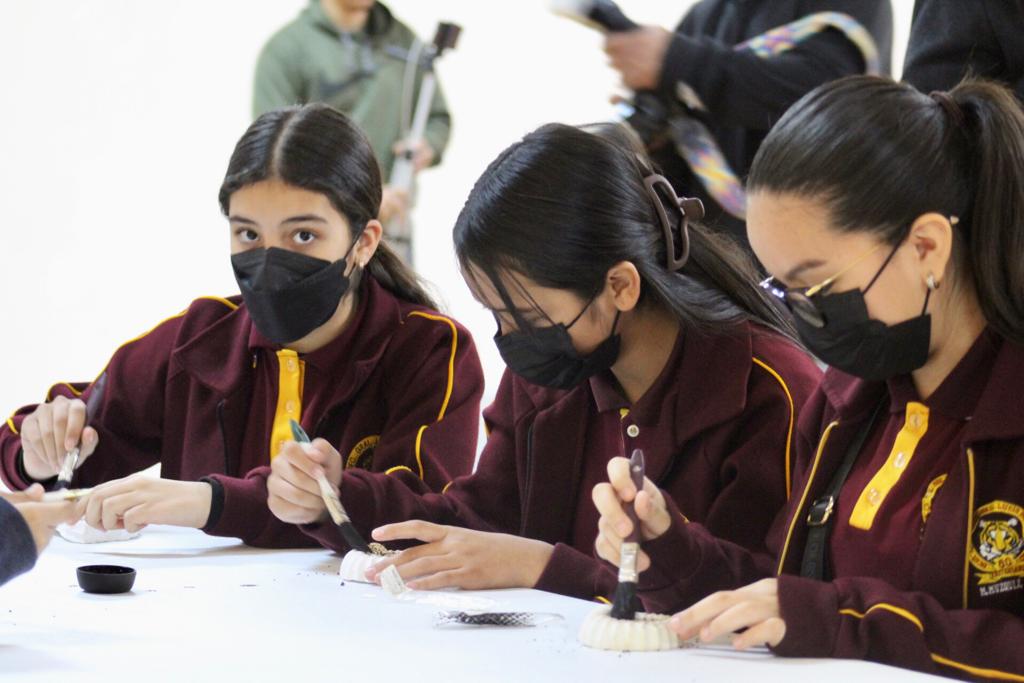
{"x": 997, "y": 547}
{"x": 362, "y": 453}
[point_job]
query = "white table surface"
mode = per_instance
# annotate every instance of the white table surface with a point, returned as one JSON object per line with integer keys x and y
{"x": 208, "y": 608}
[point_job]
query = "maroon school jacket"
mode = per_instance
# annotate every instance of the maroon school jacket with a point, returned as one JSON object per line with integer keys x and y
{"x": 716, "y": 428}
{"x": 961, "y": 617}
{"x": 404, "y": 399}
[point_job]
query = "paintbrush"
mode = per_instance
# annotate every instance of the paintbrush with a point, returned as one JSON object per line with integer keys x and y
{"x": 65, "y": 495}
{"x": 625, "y": 606}
{"x": 334, "y": 507}
{"x": 67, "y": 470}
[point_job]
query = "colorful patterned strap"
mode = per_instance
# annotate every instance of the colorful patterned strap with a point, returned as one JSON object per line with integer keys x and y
{"x": 697, "y": 145}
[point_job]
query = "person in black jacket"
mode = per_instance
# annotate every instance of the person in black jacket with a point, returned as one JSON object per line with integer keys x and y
{"x": 28, "y": 525}
{"x": 744, "y": 94}
{"x": 951, "y": 38}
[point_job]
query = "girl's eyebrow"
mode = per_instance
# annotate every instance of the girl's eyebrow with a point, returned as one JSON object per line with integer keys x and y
{"x": 303, "y": 218}
{"x": 795, "y": 272}
{"x": 306, "y": 218}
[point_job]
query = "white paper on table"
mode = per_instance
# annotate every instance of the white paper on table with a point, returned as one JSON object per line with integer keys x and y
{"x": 80, "y": 532}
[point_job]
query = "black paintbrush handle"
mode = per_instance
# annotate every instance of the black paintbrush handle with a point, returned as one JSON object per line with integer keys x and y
{"x": 636, "y": 474}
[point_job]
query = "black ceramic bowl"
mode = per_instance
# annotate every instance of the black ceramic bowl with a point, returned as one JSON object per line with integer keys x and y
{"x": 106, "y": 578}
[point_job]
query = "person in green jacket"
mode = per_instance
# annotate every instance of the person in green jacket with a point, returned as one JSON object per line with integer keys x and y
{"x": 355, "y": 56}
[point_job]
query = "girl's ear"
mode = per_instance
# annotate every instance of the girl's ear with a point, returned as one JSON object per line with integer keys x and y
{"x": 932, "y": 237}
{"x": 623, "y": 280}
{"x": 368, "y": 241}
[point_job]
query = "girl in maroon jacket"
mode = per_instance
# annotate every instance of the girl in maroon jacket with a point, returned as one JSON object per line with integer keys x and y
{"x": 623, "y": 325}
{"x": 894, "y": 225}
{"x": 331, "y": 329}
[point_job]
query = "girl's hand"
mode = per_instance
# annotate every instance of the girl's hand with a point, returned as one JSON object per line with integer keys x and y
{"x": 41, "y": 518}
{"x": 754, "y": 608}
{"x": 292, "y": 490}
{"x": 51, "y": 431}
{"x": 136, "y": 501}
{"x": 453, "y": 557}
{"x": 614, "y": 526}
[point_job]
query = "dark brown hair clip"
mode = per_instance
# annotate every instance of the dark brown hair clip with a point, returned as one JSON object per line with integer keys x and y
{"x": 676, "y": 255}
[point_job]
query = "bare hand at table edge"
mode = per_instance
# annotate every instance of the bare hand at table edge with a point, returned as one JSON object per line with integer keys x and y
{"x": 135, "y": 502}
{"x": 753, "y": 609}
{"x": 454, "y": 557}
{"x": 41, "y": 518}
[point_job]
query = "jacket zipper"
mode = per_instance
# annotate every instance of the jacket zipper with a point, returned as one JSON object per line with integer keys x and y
{"x": 224, "y": 436}
{"x": 529, "y": 479}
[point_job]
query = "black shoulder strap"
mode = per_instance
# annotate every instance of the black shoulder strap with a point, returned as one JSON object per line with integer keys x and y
{"x": 819, "y": 516}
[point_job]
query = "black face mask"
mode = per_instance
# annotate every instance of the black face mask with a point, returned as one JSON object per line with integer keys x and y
{"x": 853, "y": 342}
{"x": 288, "y": 294}
{"x": 546, "y": 356}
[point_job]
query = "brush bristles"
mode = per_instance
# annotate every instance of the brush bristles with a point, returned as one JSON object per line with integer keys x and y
{"x": 624, "y": 605}
{"x": 352, "y": 537}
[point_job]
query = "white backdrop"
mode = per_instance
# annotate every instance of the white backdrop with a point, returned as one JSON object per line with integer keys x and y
{"x": 117, "y": 118}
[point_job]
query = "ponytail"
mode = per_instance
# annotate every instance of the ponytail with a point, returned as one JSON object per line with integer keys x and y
{"x": 994, "y": 126}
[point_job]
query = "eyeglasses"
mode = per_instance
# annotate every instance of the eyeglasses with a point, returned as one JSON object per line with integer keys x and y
{"x": 799, "y": 300}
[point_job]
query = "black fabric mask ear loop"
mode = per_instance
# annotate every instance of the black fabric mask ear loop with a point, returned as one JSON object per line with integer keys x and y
{"x": 927, "y": 295}
{"x": 615, "y": 323}
{"x": 582, "y": 311}
{"x": 885, "y": 263}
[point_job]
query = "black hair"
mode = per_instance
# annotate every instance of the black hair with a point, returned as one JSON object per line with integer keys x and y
{"x": 879, "y": 154}
{"x": 565, "y": 204}
{"x": 317, "y": 148}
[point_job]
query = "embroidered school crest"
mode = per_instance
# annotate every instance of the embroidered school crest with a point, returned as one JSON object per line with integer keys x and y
{"x": 997, "y": 543}
{"x": 361, "y": 454}
{"x": 929, "y": 496}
